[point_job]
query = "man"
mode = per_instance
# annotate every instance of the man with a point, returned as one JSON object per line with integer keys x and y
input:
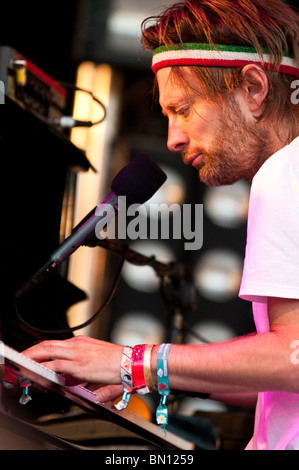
{"x": 226, "y": 72}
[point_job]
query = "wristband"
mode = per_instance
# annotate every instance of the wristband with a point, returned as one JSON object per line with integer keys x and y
{"x": 135, "y": 373}
{"x": 163, "y": 383}
{"x": 126, "y": 378}
{"x": 126, "y": 367}
{"x": 139, "y": 383}
{"x": 147, "y": 369}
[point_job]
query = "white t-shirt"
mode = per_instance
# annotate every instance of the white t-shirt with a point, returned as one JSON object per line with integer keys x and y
{"x": 271, "y": 269}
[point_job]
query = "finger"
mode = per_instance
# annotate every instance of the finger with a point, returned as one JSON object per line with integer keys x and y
{"x": 48, "y": 350}
{"x": 108, "y": 393}
{"x": 71, "y": 381}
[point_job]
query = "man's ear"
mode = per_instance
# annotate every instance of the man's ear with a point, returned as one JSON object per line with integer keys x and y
{"x": 255, "y": 87}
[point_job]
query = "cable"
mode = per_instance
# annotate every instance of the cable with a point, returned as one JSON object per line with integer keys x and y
{"x": 196, "y": 335}
{"x": 90, "y": 320}
{"x": 68, "y": 122}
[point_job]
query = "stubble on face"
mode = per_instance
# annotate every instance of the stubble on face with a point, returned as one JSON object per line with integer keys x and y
{"x": 238, "y": 149}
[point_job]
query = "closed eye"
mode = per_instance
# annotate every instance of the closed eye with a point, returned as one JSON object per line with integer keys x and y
{"x": 182, "y": 112}
{"x": 181, "y": 108}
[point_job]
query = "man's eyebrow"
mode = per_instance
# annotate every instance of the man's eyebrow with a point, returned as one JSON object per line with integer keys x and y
{"x": 174, "y": 104}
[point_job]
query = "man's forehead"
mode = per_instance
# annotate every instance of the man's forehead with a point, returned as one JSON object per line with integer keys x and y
{"x": 172, "y": 91}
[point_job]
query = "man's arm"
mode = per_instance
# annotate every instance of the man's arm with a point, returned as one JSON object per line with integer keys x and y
{"x": 243, "y": 400}
{"x": 252, "y": 363}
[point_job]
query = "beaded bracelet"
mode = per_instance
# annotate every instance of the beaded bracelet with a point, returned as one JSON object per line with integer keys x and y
{"x": 163, "y": 383}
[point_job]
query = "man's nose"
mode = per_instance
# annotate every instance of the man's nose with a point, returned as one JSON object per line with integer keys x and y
{"x": 177, "y": 137}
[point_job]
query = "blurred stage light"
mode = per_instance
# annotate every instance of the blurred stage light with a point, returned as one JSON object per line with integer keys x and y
{"x": 217, "y": 275}
{"x": 211, "y": 331}
{"x": 227, "y": 206}
{"x": 86, "y": 268}
{"x": 137, "y": 327}
{"x": 189, "y": 406}
{"x": 173, "y": 191}
{"x": 144, "y": 278}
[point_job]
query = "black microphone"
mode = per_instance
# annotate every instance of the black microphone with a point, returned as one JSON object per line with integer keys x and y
{"x": 137, "y": 181}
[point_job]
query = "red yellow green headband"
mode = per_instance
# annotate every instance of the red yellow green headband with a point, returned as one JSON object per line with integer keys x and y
{"x": 217, "y": 56}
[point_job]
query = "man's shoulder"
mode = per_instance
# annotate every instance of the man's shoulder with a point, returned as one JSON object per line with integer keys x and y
{"x": 278, "y": 165}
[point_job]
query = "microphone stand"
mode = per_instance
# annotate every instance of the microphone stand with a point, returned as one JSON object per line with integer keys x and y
{"x": 176, "y": 285}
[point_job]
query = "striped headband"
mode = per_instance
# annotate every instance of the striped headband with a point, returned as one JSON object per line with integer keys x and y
{"x": 217, "y": 56}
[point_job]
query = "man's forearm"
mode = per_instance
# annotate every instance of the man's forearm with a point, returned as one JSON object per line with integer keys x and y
{"x": 248, "y": 364}
{"x": 245, "y": 399}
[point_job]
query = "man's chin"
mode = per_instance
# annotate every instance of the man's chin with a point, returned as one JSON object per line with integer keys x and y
{"x": 210, "y": 179}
